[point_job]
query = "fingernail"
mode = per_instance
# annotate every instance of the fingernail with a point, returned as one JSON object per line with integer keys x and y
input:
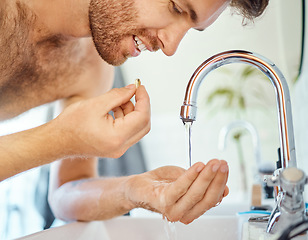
{"x": 224, "y": 168}
{"x": 200, "y": 168}
{"x": 215, "y": 167}
{"x": 130, "y": 86}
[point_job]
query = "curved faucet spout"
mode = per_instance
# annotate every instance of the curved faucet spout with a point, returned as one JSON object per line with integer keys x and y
{"x": 224, "y": 132}
{"x": 189, "y": 107}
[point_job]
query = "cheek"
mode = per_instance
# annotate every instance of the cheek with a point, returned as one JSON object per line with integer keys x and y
{"x": 153, "y": 14}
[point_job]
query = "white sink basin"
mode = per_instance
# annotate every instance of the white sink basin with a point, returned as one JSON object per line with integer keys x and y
{"x": 134, "y": 228}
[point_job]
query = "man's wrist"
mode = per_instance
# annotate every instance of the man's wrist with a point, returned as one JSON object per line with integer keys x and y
{"x": 130, "y": 184}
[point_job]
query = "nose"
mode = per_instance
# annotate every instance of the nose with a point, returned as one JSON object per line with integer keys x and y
{"x": 171, "y": 37}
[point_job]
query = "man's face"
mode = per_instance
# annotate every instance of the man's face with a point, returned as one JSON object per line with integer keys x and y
{"x": 123, "y": 28}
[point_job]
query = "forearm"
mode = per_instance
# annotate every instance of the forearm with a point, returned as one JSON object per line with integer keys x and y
{"x": 179, "y": 194}
{"x": 97, "y": 133}
{"x": 91, "y": 199}
{"x": 31, "y": 148}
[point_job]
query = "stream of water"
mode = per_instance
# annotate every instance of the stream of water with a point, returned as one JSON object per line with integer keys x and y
{"x": 170, "y": 226}
{"x": 170, "y": 229}
{"x": 188, "y": 126}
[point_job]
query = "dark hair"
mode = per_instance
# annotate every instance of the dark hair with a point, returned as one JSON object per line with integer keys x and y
{"x": 249, "y": 9}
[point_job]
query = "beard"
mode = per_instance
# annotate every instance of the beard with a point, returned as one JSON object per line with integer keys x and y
{"x": 111, "y": 22}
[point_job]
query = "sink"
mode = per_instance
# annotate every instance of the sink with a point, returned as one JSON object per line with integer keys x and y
{"x": 228, "y": 221}
{"x": 154, "y": 228}
{"x": 140, "y": 228}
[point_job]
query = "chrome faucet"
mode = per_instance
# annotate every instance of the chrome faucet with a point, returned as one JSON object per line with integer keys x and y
{"x": 222, "y": 142}
{"x": 286, "y": 134}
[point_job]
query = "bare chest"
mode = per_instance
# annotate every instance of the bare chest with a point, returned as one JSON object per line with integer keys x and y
{"x": 34, "y": 73}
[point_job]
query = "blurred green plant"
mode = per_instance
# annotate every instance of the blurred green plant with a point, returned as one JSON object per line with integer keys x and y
{"x": 233, "y": 96}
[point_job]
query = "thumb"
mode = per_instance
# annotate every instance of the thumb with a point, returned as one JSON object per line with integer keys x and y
{"x": 117, "y": 97}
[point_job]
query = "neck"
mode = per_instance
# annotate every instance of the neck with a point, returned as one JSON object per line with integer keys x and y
{"x": 65, "y": 17}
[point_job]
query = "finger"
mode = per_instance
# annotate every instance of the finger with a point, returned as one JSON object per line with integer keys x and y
{"x": 115, "y": 97}
{"x": 198, "y": 189}
{"x": 136, "y": 123}
{"x": 226, "y": 191}
{"x": 118, "y": 112}
{"x": 139, "y": 134}
{"x": 218, "y": 186}
{"x": 212, "y": 195}
{"x": 142, "y": 99}
{"x": 128, "y": 107}
{"x": 124, "y": 109}
{"x": 179, "y": 187}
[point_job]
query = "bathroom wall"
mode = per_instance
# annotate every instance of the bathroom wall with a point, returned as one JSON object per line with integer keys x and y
{"x": 276, "y": 35}
{"x": 300, "y": 110}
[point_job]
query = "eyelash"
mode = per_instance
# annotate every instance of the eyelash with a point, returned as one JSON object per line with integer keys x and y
{"x": 175, "y": 8}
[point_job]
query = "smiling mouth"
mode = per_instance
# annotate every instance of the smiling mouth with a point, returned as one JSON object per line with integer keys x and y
{"x": 139, "y": 44}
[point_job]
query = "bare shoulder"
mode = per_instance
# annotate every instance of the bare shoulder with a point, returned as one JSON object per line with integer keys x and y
{"x": 37, "y": 67}
{"x": 98, "y": 75}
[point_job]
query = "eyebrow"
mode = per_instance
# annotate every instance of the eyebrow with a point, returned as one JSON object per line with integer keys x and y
{"x": 193, "y": 15}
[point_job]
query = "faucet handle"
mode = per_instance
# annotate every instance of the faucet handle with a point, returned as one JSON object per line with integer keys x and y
{"x": 292, "y": 181}
{"x": 290, "y": 176}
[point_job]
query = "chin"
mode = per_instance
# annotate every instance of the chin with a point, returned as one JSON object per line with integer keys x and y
{"x": 112, "y": 59}
{"x": 115, "y": 62}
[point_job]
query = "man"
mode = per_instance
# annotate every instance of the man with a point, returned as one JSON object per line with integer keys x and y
{"x": 53, "y": 50}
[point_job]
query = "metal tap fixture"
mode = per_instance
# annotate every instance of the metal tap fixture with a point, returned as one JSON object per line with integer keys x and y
{"x": 286, "y": 134}
{"x": 222, "y": 143}
{"x": 290, "y": 207}
{"x": 222, "y": 139}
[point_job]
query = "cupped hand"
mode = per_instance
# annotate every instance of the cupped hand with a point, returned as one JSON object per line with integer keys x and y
{"x": 90, "y": 130}
{"x": 179, "y": 194}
